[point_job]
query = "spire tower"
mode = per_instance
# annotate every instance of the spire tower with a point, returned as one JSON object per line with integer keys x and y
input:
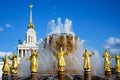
{"x": 31, "y": 25}
{"x": 30, "y": 42}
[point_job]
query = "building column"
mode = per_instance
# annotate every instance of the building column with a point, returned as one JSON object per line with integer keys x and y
{"x": 21, "y": 53}
{"x": 29, "y": 52}
{"x": 18, "y": 54}
{"x": 27, "y": 39}
{"x": 25, "y": 52}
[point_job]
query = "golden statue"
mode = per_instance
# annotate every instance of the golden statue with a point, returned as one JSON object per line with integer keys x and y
{"x": 6, "y": 66}
{"x": 107, "y": 60}
{"x": 61, "y": 61}
{"x": 14, "y": 66}
{"x": 86, "y": 56}
{"x": 33, "y": 61}
{"x": 117, "y": 66}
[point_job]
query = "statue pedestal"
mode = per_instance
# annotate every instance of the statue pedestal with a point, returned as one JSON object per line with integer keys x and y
{"x": 117, "y": 75}
{"x": 14, "y": 77}
{"x": 5, "y": 77}
{"x": 34, "y": 76}
{"x": 87, "y": 75}
{"x": 61, "y": 75}
{"x": 108, "y": 75}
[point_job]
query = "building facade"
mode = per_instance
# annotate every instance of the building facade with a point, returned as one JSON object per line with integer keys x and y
{"x": 30, "y": 42}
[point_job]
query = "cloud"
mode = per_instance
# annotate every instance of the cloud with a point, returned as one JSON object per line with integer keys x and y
{"x": 114, "y": 50}
{"x": 113, "y": 44}
{"x": 9, "y": 25}
{"x": 6, "y": 25}
{"x": 2, "y": 54}
{"x": 1, "y": 29}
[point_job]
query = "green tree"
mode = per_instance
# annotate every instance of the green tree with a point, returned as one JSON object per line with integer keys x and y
{"x": 20, "y": 41}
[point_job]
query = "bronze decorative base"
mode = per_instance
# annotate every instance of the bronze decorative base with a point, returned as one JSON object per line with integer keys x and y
{"x": 34, "y": 76}
{"x": 87, "y": 75}
{"x": 14, "y": 77}
{"x": 108, "y": 75}
{"x": 97, "y": 78}
{"x": 117, "y": 75}
{"x": 61, "y": 75}
{"x": 5, "y": 77}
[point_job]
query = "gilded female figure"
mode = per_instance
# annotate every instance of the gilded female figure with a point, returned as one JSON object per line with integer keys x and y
{"x": 14, "y": 66}
{"x": 117, "y": 66}
{"x": 61, "y": 61}
{"x": 107, "y": 60}
{"x": 33, "y": 61}
{"x": 6, "y": 66}
{"x": 86, "y": 56}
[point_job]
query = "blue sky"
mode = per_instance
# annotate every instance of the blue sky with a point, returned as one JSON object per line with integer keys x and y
{"x": 95, "y": 21}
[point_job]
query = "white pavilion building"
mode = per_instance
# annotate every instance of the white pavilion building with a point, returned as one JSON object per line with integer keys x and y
{"x": 30, "y": 42}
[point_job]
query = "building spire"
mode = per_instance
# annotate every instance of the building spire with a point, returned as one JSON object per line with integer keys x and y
{"x": 30, "y": 12}
{"x": 30, "y": 24}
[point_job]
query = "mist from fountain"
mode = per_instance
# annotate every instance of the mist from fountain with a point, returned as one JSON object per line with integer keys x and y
{"x": 47, "y": 62}
{"x": 24, "y": 67}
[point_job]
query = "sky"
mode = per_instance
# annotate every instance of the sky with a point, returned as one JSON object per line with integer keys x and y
{"x": 97, "y": 22}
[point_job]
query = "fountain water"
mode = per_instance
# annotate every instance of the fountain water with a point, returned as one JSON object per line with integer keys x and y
{"x": 61, "y": 36}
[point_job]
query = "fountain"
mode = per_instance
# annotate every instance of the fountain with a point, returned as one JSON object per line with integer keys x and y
{"x": 59, "y": 57}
